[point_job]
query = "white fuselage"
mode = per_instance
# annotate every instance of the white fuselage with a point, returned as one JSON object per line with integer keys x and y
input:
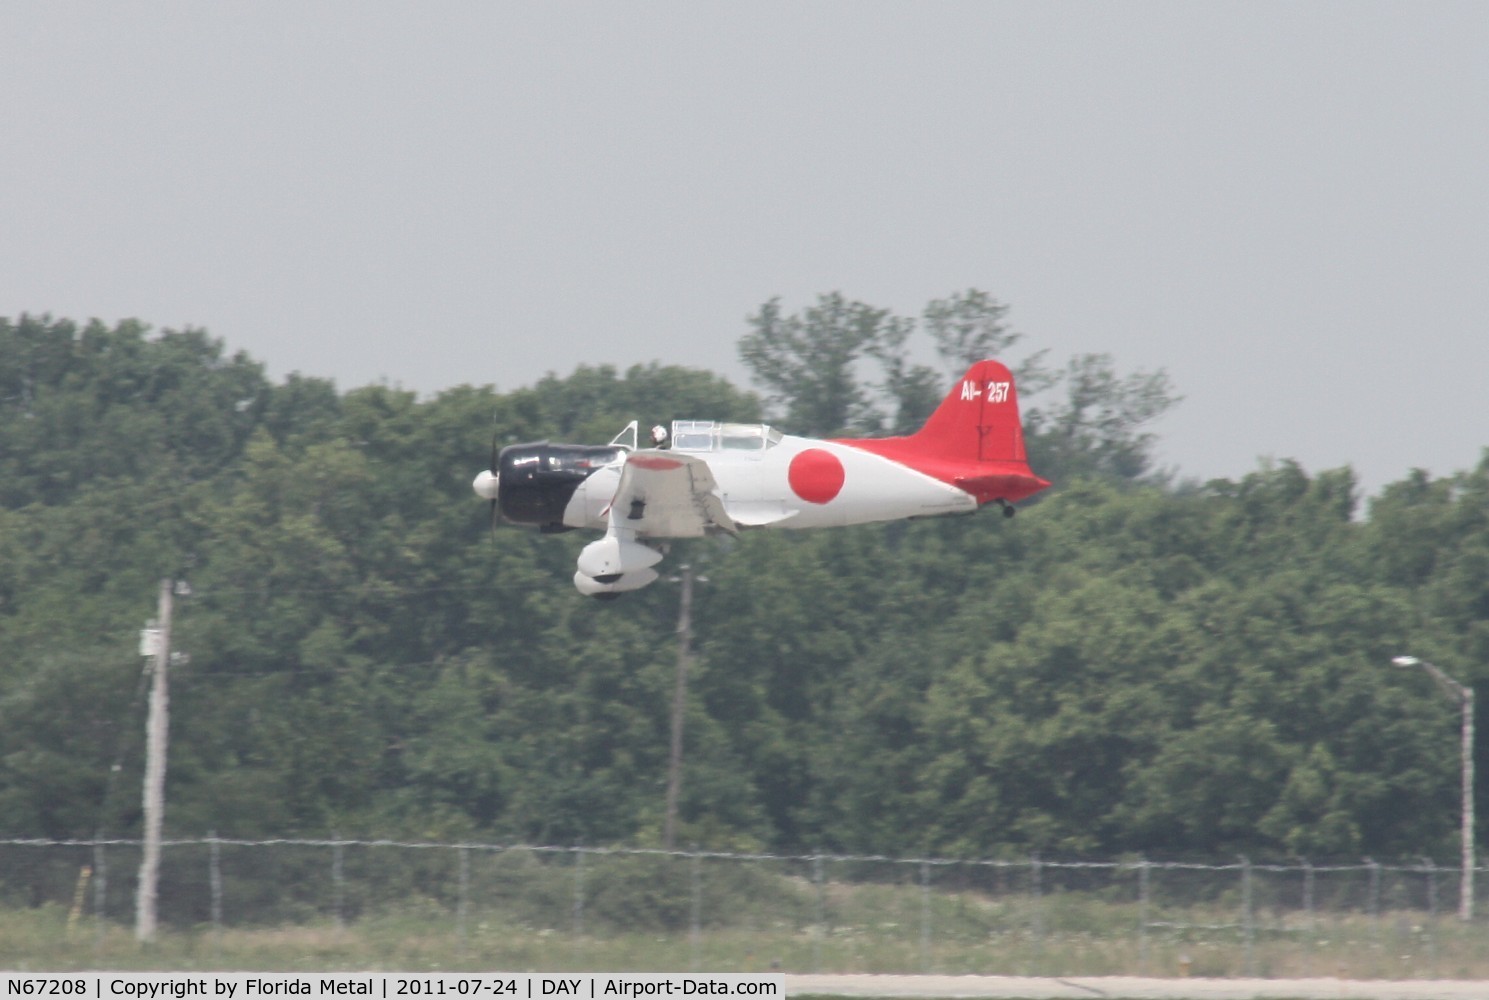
{"x": 793, "y": 482}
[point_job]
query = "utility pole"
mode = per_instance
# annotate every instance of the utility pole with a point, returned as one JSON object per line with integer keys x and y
{"x": 157, "y": 728}
{"x": 679, "y": 703}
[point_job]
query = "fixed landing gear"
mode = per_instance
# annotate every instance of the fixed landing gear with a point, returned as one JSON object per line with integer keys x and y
{"x": 1008, "y": 509}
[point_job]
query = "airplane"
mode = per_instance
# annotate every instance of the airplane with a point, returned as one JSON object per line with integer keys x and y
{"x": 726, "y": 477}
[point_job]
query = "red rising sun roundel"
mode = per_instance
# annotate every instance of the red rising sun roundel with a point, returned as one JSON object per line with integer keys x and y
{"x": 815, "y": 475}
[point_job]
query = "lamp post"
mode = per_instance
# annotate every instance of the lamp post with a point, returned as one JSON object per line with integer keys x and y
{"x": 1463, "y": 695}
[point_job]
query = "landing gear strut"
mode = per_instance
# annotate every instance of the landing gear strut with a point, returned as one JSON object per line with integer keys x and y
{"x": 1008, "y": 509}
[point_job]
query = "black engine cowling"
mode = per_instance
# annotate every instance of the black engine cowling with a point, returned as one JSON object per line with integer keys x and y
{"x": 538, "y": 480}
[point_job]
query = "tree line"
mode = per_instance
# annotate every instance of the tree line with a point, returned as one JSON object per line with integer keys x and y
{"x": 1135, "y": 664}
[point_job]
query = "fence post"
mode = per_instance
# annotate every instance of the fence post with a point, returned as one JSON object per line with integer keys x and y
{"x": 821, "y": 923}
{"x": 214, "y": 882}
{"x": 100, "y": 892}
{"x": 925, "y": 917}
{"x": 1036, "y": 893}
{"x": 1142, "y": 914}
{"x": 695, "y": 911}
{"x": 1431, "y": 871}
{"x": 1247, "y": 923}
{"x": 578, "y": 896}
{"x": 1373, "y": 902}
{"x": 1308, "y": 894}
{"x": 1310, "y": 921}
{"x": 463, "y": 906}
{"x": 338, "y": 879}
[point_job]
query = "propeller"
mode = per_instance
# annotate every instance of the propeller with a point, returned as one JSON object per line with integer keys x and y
{"x": 488, "y": 481}
{"x": 495, "y": 483}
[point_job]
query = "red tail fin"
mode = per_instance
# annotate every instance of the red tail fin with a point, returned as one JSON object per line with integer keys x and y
{"x": 974, "y": 441}
{"x": 978, "y": 421}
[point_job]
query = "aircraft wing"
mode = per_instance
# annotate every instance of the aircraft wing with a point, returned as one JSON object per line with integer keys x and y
{"x": 664, "y": 494}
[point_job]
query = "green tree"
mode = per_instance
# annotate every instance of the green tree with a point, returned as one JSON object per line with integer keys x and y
{"x": 967, "y": 327}
{"x": 1096, "y": 427}
{"x": 841, "y": 366}
{"x": 89, "y": 405}
{"x": 1126, "y": 667}
{"x": 808, "y": 362}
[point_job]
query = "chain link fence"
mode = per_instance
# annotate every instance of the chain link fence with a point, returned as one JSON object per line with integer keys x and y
{"x": 552, "y": 908}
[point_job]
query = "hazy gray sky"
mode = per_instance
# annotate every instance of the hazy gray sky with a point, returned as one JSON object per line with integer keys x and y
{"x": 1286, "y": 205}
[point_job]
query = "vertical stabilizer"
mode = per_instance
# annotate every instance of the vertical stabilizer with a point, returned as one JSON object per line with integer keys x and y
{"x": 978, "y": 420}
{"x": 974, "y": 441}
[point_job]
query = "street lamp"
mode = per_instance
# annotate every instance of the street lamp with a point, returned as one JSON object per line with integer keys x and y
{"x": 1463, "y": 695}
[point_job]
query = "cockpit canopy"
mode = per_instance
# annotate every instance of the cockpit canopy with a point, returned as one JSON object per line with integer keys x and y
{"x": 714, "y": 436}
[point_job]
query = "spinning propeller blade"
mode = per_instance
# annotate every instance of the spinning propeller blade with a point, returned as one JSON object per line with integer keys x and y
{"x": 494, "y": 457}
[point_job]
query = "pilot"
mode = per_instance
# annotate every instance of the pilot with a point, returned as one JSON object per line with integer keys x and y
{"x": 659, "y": 436}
